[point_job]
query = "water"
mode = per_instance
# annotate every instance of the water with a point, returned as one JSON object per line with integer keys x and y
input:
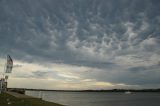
{"x": 98, "y": 98}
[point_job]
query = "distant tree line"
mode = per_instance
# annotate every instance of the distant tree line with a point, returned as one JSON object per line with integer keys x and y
{"x": 22, "y": 90}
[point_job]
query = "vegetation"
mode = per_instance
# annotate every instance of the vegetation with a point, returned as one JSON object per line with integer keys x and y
{"x": 8, "y": 100}
{"x": 22, "y": 90}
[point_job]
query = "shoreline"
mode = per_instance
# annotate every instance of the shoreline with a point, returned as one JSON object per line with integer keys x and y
{"x": 22, "y": 90}
{"x": 15, "y": 99}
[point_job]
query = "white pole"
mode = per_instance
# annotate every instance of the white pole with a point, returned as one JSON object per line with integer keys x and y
{"x": 1, "y": 87}
{"x": 2, "y": 79}
{"x": 4, "y": 71}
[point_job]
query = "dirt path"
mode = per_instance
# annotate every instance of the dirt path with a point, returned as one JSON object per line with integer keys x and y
{"x": 17, "y": 95}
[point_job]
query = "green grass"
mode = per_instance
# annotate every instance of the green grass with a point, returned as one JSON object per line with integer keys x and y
{"x": 6, "y": 98}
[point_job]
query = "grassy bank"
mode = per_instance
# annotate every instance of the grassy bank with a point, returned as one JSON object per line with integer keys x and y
{"x": 8, "y": 100}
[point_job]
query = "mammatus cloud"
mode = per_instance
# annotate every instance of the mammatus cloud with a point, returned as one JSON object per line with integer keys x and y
{"x": 107, "y": 44}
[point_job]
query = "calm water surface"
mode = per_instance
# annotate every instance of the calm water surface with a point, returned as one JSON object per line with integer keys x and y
{"x": 98, "y": 98}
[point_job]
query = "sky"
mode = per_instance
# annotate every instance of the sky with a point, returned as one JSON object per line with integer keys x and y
{"x": 81, "y": 44}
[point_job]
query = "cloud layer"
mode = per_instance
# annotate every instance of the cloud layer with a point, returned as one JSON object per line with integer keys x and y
{"x": 101, "y": 44}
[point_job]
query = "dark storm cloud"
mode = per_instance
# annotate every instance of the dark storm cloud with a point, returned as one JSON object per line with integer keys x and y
{"x": 17, "y": 65}
{"x": 93, "y": 33}
{"x": 137, "y": 69}
{"x": 135, "y": 75}
{"x": 41, "y": 74}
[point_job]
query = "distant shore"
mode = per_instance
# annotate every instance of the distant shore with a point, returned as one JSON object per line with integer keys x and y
{"x": 22, "y": 90}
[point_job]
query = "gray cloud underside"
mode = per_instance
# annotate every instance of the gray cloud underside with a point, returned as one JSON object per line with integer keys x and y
{"x": 120, "y": 37}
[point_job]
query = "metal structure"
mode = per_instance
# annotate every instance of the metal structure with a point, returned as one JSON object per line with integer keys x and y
{"x": 7, "y": 69}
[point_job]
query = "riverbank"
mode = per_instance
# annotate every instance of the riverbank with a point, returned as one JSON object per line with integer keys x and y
{"x": 9, "y": 100}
